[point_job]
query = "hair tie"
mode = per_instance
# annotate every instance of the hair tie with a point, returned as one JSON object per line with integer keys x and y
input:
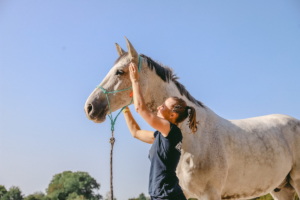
{"x": 187, "y": 108}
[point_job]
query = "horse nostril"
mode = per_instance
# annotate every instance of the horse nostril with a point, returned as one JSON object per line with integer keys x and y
{"x": 89, "y": 108}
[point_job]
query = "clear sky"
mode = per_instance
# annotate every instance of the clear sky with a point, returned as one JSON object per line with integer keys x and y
{"x": 241, "y": 58}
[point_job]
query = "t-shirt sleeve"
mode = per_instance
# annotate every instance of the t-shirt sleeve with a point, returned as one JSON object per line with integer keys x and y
{"x": 155, "y": 134}
{"x": 174, "y": 133}
{"x": 173, "y": 139}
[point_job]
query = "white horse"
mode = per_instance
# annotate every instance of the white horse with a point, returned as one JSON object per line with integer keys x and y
{"x": 225, "y": 159}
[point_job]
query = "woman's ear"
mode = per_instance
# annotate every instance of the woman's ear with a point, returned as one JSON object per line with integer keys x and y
{"x": 174, "y": 115}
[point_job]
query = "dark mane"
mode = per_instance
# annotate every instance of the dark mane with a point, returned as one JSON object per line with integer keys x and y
{"x": 167, "y": 75}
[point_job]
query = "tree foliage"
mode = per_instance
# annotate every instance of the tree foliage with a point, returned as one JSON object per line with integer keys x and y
{"x": 14, "y": 193}
{"x": 74, "y": 196}
{"x": 73, "y": 186}
{"x": 141, "y": 197}
{"x": 3, "y": 191}
{"x": 36, "y": 196}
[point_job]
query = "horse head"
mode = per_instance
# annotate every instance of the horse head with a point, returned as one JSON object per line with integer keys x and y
{"x": 96, "y": 106}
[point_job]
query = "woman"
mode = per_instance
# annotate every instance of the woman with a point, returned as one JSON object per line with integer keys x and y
{"x": 166, "y": 149}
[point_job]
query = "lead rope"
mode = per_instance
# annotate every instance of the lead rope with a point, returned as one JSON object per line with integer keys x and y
{"x": 111, "y": 141}
{"x": 113, "y": 122}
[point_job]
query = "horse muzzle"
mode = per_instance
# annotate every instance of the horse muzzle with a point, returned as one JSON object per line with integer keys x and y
{"x": 96, "y": 111}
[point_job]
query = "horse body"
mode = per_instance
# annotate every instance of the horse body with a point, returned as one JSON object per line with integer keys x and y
{"x": 228, "y": 159}
{"x": 240, "y": 158}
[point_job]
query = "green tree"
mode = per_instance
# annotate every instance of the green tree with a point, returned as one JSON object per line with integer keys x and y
{"x": 73, "y": 185}
{"x": 35, "y": 196}
{"x": 14, "y": 193}
{"x": 142, "y": 197}
{"x": 31, "y": 197}
{"x": 74, "y": 196}
{"x": 46, "y": 198}
{"x": 3, "y": 191}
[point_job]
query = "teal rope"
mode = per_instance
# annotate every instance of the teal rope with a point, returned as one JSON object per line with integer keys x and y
{"x": 112, "y": 120}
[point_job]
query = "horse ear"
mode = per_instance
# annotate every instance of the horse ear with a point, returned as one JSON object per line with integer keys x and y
{"x": 119, "y": 50}
{"x": 132, "y": 52}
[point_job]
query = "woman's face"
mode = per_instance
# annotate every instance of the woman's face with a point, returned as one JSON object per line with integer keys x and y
{"x": 164, "y": 110}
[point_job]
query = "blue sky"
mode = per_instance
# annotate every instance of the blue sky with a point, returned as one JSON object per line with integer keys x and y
{"x": 241, "y": 58}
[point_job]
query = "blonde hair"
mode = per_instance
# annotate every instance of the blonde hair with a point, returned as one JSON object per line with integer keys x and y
{"x": 183, "y": 112}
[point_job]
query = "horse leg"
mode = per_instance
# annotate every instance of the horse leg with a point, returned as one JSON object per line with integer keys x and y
{"x": 296, "y": 185}
{"x": 295, "y": 176}
{"x": 285, "y": 193}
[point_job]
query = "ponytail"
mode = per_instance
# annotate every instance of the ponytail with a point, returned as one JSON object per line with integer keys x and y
{"x": 183, "y": 112}
{"x": 192, "y": 119}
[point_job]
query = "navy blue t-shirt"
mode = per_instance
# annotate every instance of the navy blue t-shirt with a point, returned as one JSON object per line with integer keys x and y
{"x": 164, "y": 156}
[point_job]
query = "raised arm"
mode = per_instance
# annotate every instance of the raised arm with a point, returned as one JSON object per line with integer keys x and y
{"x": 156, "y": 122}
{"x": 135, "y": 130}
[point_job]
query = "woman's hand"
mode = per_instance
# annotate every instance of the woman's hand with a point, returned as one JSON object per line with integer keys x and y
{"x": 134, "y": 72}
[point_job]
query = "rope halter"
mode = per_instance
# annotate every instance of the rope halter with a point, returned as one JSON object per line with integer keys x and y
{"x": 112, "y": 120}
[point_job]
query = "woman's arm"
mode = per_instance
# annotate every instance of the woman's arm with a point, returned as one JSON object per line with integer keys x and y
{"x": 156, "y": 122}
{"x": 135, "y": 130}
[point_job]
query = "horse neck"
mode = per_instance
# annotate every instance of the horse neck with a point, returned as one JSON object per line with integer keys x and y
{"x": 158, "y": 91}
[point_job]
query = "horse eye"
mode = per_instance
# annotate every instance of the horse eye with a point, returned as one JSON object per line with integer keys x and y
{"x": 120, "y": 72}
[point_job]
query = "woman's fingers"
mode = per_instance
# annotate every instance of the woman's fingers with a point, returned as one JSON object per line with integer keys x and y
{"x": 134, "y": 75}
{"x": 132, "y": 67}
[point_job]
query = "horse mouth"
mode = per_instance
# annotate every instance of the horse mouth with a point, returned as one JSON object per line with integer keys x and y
{"x": 101, "y": 117}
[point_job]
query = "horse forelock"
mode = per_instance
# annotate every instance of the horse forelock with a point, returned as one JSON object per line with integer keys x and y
{"x": 166, "y": 74}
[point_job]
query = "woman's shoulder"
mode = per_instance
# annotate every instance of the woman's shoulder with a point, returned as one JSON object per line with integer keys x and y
{"x": 175, "y": 132}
